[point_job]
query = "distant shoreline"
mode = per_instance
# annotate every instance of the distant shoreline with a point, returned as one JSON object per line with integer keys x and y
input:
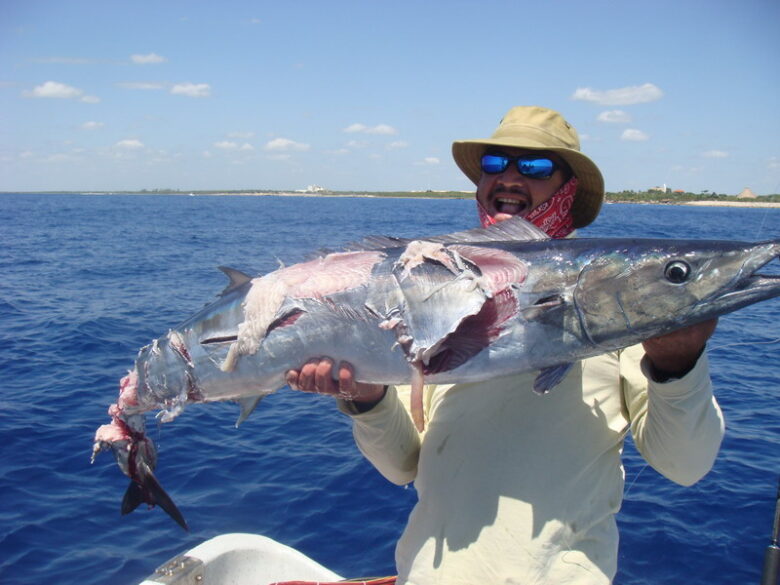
{"x": 757, "y": 203}
{"x": 733, "y": 203}
{"x": 751, "y": 203}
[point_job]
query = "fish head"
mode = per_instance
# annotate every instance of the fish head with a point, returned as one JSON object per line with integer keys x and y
{"x": 641, "y": 289}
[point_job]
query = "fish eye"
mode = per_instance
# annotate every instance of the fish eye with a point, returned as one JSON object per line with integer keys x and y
{"x": 677, "y": 271}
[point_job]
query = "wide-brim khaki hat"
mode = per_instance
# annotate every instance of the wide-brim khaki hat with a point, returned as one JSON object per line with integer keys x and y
{"x": 536, "y": 128}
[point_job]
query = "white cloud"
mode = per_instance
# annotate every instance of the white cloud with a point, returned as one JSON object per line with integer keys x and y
{"x": 54, "y": 89}
{"x": 623, "y": 96}
{"x": 196, "y": 90}
{"x": 633, "y": 135}
{"x": 143, "y": 85}
{"x": 355, "y": 128}
{"x": 397, "y": 144}
{"x": 614, "y": 117}
{"x": 363, "y": 129}
{"x": 243, "y": 135}
{"x": 773, "y": 163}
{"x": 129, "y": 144}
{"x": 57, "y": 90}
{"x": 715, "y": 154}
{"x": 233, "y": 146}
{"x": 92, "y": 125}
{"x": 151, "y": 58}
{"x": 382, "y": 129}
{"x": 428, "y": 161}
{"x": 285, "y": 144}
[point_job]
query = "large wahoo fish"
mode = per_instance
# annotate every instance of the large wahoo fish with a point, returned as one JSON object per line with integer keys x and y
{"x": 462, "y": 307}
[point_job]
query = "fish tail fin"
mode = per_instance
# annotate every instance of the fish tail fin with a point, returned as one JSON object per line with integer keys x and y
{"x": 147, "y": 489}
{"x": 133, "y": 497}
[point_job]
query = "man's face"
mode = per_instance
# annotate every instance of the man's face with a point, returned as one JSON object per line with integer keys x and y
{"x": 509, "y": 193}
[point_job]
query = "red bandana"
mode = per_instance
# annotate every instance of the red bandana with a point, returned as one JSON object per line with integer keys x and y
{"x": 553, "y": 216}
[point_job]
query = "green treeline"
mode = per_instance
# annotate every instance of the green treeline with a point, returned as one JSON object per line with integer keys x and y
{"x": 660, "y": 197}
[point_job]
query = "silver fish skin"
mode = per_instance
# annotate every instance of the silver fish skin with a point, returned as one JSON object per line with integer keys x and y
{"x": 461, "y": 307}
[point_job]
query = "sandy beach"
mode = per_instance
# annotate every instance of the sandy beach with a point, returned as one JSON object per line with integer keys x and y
{"x": 732, "y": 203}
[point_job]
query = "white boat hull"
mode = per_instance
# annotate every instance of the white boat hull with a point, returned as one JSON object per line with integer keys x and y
{"x": 239, "y": 559}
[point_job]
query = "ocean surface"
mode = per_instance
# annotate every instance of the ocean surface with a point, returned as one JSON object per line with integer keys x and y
{"x": 87, "y": 280}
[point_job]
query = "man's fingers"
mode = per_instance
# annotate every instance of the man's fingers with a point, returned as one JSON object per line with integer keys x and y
{"x": 307, "y": 375}
{"x": 317, "y": 375}
{"x": 346, "y": 380}
{"x": 323, "y": 378}
{"x": 291, "y": 377}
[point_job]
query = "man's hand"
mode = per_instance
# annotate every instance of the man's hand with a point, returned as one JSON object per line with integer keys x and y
{"x": 316, "y": 376}
{"x": 673, "y": 355}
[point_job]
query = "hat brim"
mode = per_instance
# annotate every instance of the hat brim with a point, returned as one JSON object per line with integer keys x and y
{"x": 590, "y": 188}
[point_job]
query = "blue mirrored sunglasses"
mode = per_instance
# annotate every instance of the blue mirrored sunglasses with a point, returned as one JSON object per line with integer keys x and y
{"x": 527, "y": 165}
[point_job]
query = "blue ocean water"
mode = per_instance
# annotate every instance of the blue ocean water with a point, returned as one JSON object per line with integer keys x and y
{"x": 87, "y": 280}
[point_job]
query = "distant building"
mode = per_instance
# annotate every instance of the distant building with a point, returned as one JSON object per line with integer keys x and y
{"x": 312, "y": 189}
{"x": 663, "y": 189}
{"x": 747, "y": 194}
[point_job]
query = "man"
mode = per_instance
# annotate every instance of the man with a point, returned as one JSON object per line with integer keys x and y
{"x": 514, "y": 487}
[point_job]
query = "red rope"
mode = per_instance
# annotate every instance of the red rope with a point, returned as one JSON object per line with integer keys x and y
{"x": 371, "y": 581}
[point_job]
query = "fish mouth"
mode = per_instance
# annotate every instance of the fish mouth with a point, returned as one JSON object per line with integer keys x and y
{"x": 756, "y": 286}
{"x": 752, "y": 286}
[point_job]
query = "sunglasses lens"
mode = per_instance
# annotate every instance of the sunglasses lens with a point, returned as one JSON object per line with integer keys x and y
{"x": 494, "y": 163}
{"x": 536, "y": 168}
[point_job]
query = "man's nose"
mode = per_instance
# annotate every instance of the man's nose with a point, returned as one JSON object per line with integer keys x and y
{"x": 512, "y": 176}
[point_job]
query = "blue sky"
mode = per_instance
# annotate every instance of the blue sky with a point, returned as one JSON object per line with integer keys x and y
{"x": 369, "y": 95}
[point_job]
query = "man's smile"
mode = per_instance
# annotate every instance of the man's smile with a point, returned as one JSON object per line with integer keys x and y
{"x": 511, "y": 203}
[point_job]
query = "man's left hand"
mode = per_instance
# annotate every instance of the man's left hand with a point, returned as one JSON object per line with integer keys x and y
{"x": 673, "y": 355}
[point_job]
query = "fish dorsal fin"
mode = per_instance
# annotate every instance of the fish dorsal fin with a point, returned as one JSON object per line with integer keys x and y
{"x": 511, "y": 230}
{"x": 237, "y": 279}
{"x": 377, "y": 242}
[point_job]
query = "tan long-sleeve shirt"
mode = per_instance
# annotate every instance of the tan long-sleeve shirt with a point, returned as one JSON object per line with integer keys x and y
{"x": 519, "y": 488}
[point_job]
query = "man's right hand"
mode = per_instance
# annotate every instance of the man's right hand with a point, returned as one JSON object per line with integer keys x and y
{"x": 316, "y": 376}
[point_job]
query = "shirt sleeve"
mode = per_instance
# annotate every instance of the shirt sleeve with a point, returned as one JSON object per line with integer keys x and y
{"x": 387, "y": 437}
{"x": 677, "y": 425}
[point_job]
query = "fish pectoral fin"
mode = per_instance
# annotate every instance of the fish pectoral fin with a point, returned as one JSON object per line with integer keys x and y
{"x": 247, "y": 405}
{"x": 543, "y": 307}
{"x": 147, "y": 489}
{"x": 549, "y": 378}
